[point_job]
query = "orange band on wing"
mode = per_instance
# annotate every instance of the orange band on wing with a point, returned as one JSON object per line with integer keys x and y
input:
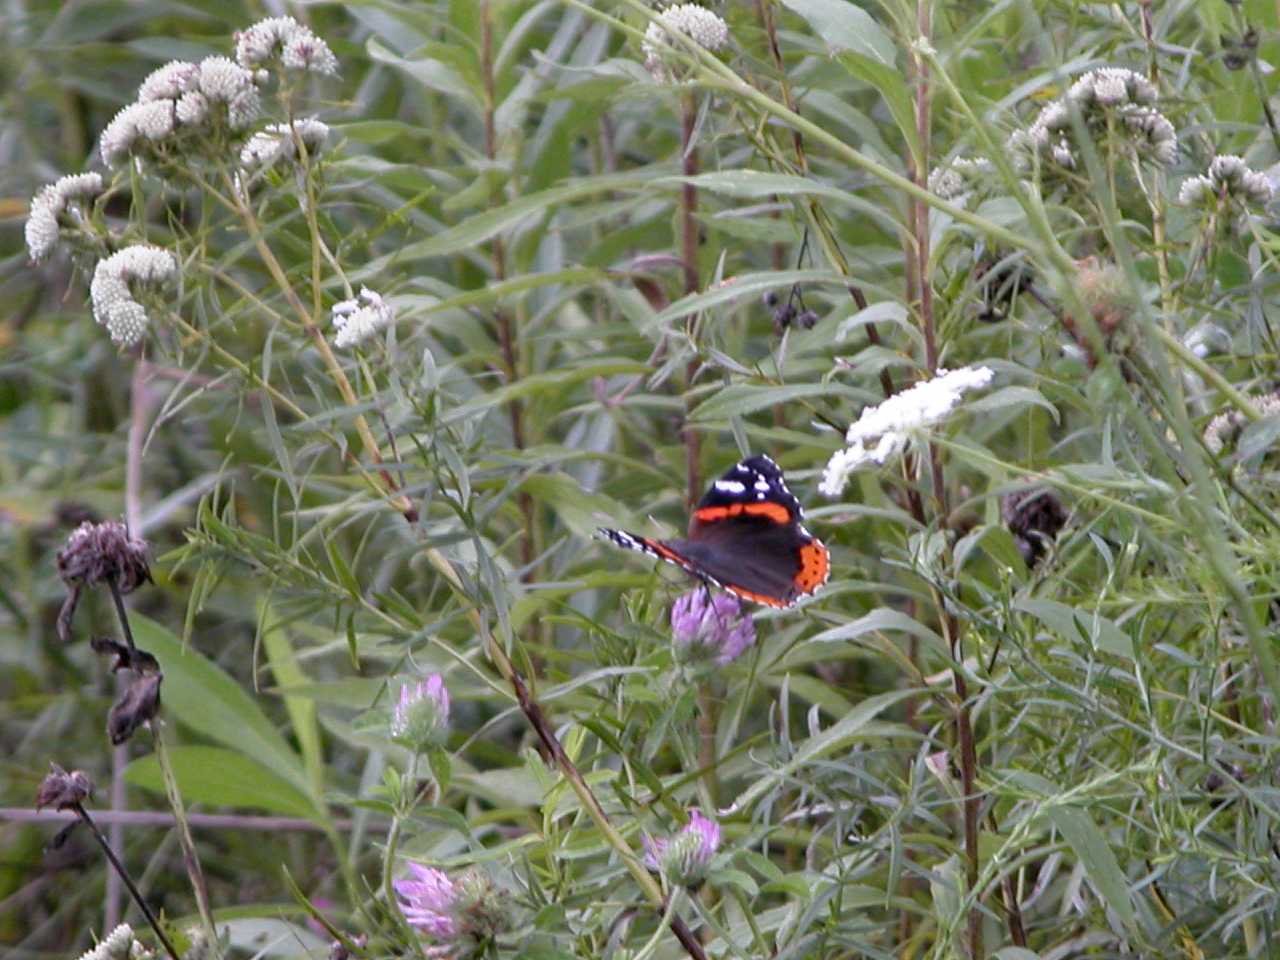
{"x": 815, "y": 567}
{"x": 774, "y": 512}
{"x": 754, "y": 597}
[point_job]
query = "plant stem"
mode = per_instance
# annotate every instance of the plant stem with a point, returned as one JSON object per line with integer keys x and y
{"x": 308, "y": 323}
{"x": 393, "y": 840}
{"x": 972, "y": 803}
{"x": 185, "y": 840}
{"x": 128, "y": 881}
{"x": 689, "y": 262}
{"x": 508, "y": 342}
{"x": 122, "y": 615}
{"x": 538, "y": 721}
{"x": 817, "y": 214}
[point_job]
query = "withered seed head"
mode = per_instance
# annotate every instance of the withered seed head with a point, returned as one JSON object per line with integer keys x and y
{"x": 1034, "y": 517}
{"x": 104, "y": 552}
{"x": 138, "y": 705}
{"x": 139, "y": 661}
{"x": 62, "y": 790}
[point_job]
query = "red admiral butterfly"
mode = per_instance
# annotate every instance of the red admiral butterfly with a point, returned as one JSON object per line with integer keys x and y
{"x": 746, "y": 536}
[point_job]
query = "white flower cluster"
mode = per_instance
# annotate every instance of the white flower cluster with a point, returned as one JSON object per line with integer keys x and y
{"x": 1229, "y": 178}
{"x": 956, "y": 177}
{"x": 284, "y": 37}
{"x": 114, "y": 306}
{"x": 359, "y": 319}
{"x": 277, "y": 142}
{"x": 886, "y": 429}
{"x": 71, "y": 193}
{"x": 701, "y": 25}
{"x": 1112, "y": 87}
{"x": 182, "y": 97}
{"x": 1226, "y": 427}
{"x": 1109, "y": 92}
{"x": 119, "y": 944}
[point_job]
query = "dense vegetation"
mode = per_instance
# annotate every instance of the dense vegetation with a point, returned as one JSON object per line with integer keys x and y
{"x": 397, "y": 303}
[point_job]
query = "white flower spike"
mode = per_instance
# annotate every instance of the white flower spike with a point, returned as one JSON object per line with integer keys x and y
{"x": 114, "y": 305}
{"x": 70, "y": 194}
{"x": 361, "y": 318}
{"x": 886, "y": 429}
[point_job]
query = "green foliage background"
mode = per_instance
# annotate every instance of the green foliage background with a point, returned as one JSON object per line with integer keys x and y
{"x": 511, "y": 167}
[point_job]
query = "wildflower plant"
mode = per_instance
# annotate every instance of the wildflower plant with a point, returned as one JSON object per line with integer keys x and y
{"x": 355, "y": 323}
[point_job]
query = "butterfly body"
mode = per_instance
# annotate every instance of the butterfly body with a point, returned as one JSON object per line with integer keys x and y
{"x": 747, "y": 536}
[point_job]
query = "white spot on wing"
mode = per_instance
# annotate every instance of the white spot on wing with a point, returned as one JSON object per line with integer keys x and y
{"x": 731, "y": 486}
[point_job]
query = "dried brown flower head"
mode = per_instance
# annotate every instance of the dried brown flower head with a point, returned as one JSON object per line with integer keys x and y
{"x": 62, "y": 790}
{"x": 1034, "y": 517}
{"x": 104, "y": 552}
{"x": 138, "y": 705}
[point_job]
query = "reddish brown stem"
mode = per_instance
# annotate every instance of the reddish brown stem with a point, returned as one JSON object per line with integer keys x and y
{"x": 551, "y": 744}
{"x": 507, "y": 342}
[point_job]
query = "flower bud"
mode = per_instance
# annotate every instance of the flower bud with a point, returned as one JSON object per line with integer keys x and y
{"x": 684, "y": 857}
{"x": 421, "y": 717}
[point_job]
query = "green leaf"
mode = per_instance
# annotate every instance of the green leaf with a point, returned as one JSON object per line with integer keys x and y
{"x": 580, "y": 510}
{"x": 889, "y": 83}
{"x": 430, "y": 73}
{"x": 302, "y": 711}
{"x": 202, "y": 696}
{"x": 1012, "y": 397}
{"x": 484, "y": 226}
{"x": 1097, "y": 857}
{"x": 742, "y": 398}
{"x": 747, "y": 285}
{"x": 822, "y": 744}
{"x": 223, "y": 778}
{"x": 883, "y": 619}
{"x": 1071, "y": 624}
{"x": 756, "y": 184}
{"x": 844, "y": 26}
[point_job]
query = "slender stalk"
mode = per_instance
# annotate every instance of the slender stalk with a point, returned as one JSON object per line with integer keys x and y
{"x": 404, "y": 806}
{"x": 817, "y": 214}
{"x": 122, "y": 615}
{"x": 972, "y": 803}
{"x": 189, "y": 856}
{"x": 83, "y": 814}
{"x": 508, "y": 336}
{"x": 689, "y": 263}
{"x": 371, "y": 448}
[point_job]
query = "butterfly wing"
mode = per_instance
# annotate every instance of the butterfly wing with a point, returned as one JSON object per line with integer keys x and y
{"x": 747, "y": 537}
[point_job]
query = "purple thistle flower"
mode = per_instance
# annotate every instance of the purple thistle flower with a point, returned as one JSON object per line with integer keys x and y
{"x": 449, "y": 909}
{"x": 706, "y": 624}
{"x": 683, "y": 858}
{"x": 428, "y": 901}
{"x": 421, "y": 717}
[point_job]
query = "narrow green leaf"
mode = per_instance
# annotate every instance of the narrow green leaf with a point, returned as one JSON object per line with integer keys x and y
{"x": 823, "y": 744}
{"x": 223, "y": 778}
{"x": 1098, "y": 858}
{"x": 302, "y": 711}
{"x": 742, "y": 398}
{"x": 1071, "y": 624}
{"x": 842, "y": 25}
